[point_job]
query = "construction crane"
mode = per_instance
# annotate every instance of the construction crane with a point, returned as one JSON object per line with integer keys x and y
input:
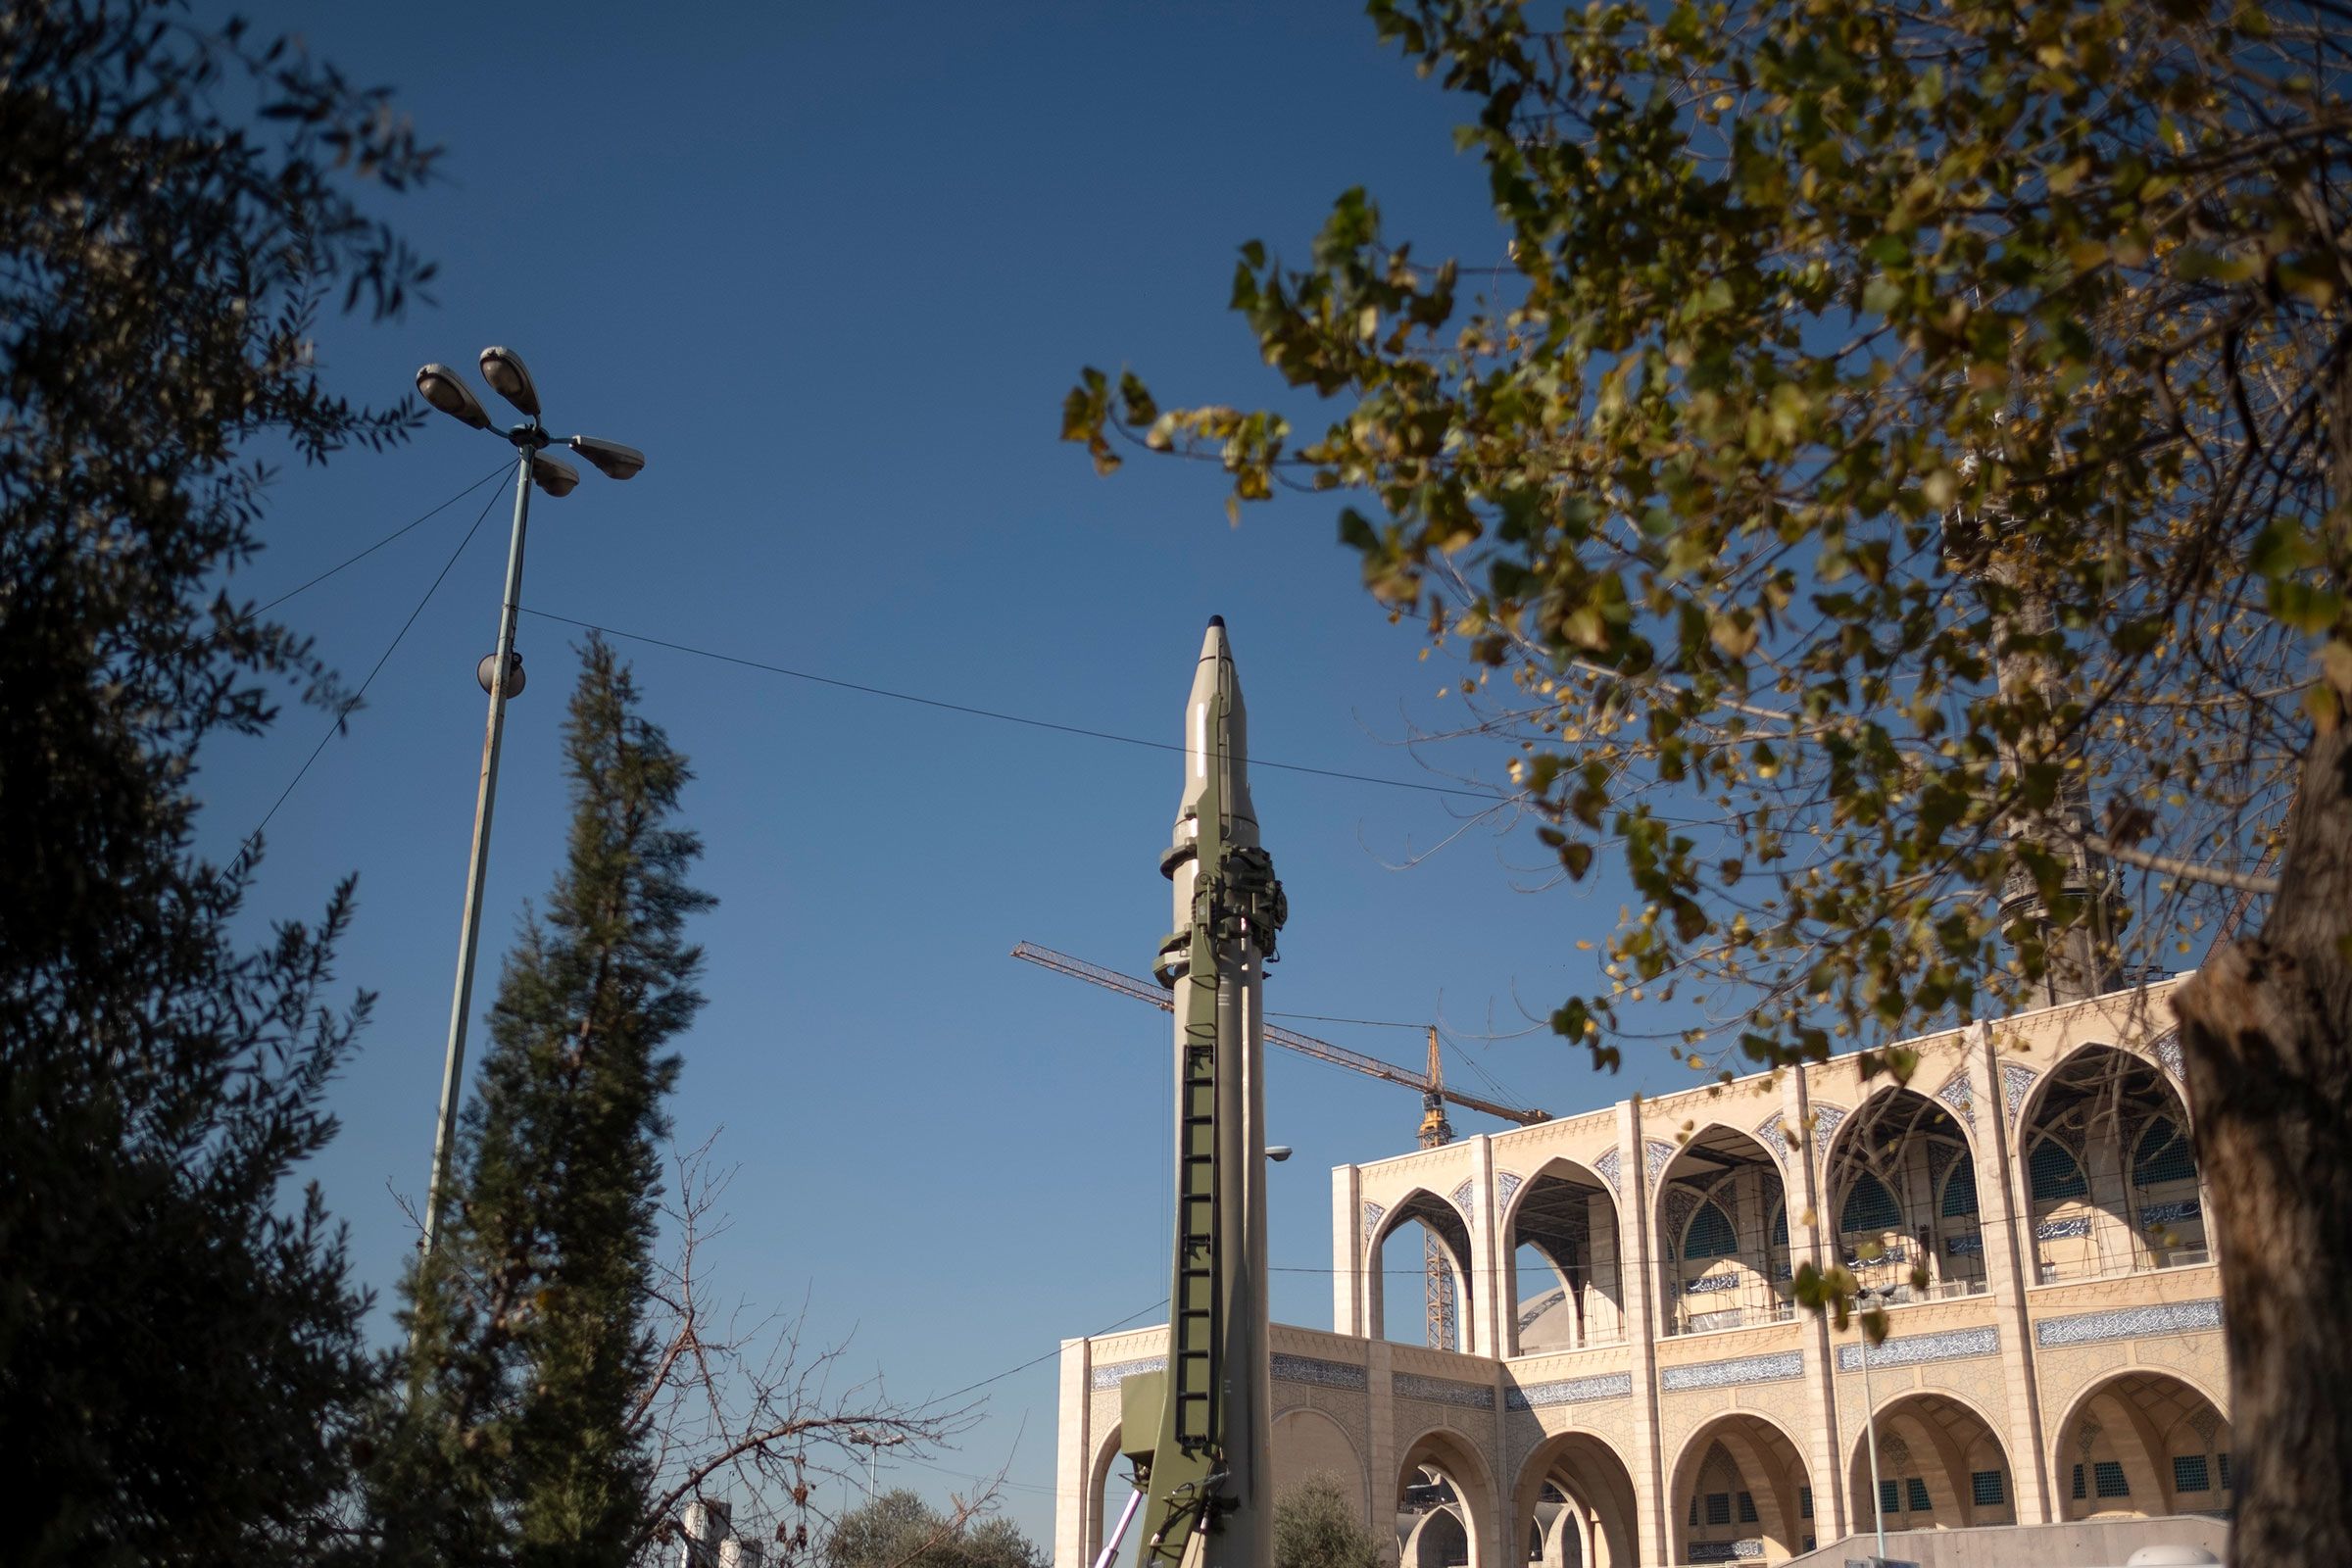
{"x": 1433, "y": 1132}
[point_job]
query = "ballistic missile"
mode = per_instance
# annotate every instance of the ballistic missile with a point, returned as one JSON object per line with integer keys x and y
{"x": 1210, "y": 1484}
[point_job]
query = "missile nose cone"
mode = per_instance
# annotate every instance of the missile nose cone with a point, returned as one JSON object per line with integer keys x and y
{"x": 1217, "y": 726}
{"x": 1213, "y": 643}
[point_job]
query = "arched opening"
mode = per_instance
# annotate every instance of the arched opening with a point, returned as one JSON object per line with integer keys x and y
{"x": 1107, "y": 1489}
{"x": 2111, "y": 1182}
{"x": 1444, "y": 1500}
{"x": 1903, "y": 1187}
{"x": 1940, "y": 1467}
{"x": 1420, "y": 1272}
{"x": 1723, "y": 1236}
{"x": 1309, "y": 1444}
{"x": 1561, "y": 1264}
{"x": 2143, "y": 1443}
{"x": 1592, "y": 1516}
{"x": 1740, "y": 1494}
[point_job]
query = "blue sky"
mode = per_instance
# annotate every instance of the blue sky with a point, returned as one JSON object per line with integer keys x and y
{"x": 833, "y": 268}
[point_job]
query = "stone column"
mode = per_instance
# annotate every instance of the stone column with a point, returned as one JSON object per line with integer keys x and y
{"x": 1825, "y": 1453}
{"x": 1604, "y": 1306}
{"x": 1641, "y": 1308}
{"x": 1075, "y": 1503}
{"x": 1348, "y": 1250}
{"x": 2004, "y": 1225}
{"x": 1380, "y": 1408}
{"x": 1487, "y": 1308}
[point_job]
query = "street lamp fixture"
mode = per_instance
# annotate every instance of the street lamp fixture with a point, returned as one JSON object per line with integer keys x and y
{"x": 873, "y": 1442}
{"x": 511, "y": 379}
{"x": 447, "y": 391}
{"x": 444, "y": 391}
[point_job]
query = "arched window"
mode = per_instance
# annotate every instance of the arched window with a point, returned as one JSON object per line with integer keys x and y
{"x": 1870, "y": 1207}
{"x": 1779, "y": 1236}
{"x": 2163, "y": 1156}
{"x": 2053, "y": 1173}
{"x": 1960, "y": 1189}
{"x": 1709, "y": 1235}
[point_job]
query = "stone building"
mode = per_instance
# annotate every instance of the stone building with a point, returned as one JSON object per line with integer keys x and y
{"x": 1630, "y": 1383}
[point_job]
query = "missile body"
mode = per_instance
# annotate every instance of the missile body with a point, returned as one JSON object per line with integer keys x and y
{"x": 1210, "y": 1503}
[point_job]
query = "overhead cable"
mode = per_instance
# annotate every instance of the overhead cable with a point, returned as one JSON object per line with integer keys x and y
{"x": 343, "y": 711}
{"x": 993, "y": 714}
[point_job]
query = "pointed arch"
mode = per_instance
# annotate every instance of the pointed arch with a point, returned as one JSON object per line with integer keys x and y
{"x": 1887, "y": 1167}
{"x": 1563, "y": 1281}
{"x": 2142, "y": 1441}
{"x": 1721, "y": 1178}
{"x": 1739, "y": 1486}
{"x": 1440, "y": 1221}
{"x": 2089, "y": 1128}
{"x": 1593, "y": 1478}
{"x": 1938, "y": 1450}
{"x": 1451, "y": 1458}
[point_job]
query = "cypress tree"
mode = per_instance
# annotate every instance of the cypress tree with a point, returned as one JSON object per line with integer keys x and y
{"x": 531, "y": 1350}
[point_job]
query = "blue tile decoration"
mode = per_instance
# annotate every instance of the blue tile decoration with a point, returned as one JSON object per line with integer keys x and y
{"x": 1442, "y": 1390}
{"x": 1739, "y": 1369}
{"x": 1711, "y": 1284}
{"x": 2051, "y": 1230}
{"x": 2125, "y": 1323}
{"x": 1606, "y": 1166}
{"x": 1461, "y": 1200}
{"x": 1681, "y": 1200}
{"x": 1824, "y": 1123}
{"x": 1320, "y": 1372}
{"x": 1506, "y": 1183}
{"x": 2166, "y": 1048}
{"x": 1910, "y": 1350}
{"x": 1769, "y": 1132}
{"x": 1110, "y": 1376}
{"x": 1781, "y": 1271}
{"x": 1748, "y": 1548}
{"x": 1954, "y": 1093}
{"x": 1964, "y": 1246}
{"x": 2167, "y": 1213}
{"x": 1655, "y": 1153}
{"x": 2016, "y": 1083}
{"x": 1568, "y": 1391}
{"x": 1372, "y": 1214}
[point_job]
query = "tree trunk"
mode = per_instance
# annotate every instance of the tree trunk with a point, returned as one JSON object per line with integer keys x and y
{"x": 2267, "y": 1029}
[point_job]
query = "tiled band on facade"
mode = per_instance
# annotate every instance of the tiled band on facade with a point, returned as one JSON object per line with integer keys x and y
{"x": 1568, "y": 1391}
{"x": 1910, "y": 1350}
{"x": 1118, "y": 1372}
{"x": 1443, "y": 1391}
{"x": 2125, "y": 1323}
{"x": 1319, "y": 1372}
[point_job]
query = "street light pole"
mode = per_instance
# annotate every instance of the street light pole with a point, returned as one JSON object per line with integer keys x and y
{"x": 501, "y": 676}
{"x": 873, "y": 1442}
{"x": 1870, "y": 1418}
{"x": 460, "y": 1004}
